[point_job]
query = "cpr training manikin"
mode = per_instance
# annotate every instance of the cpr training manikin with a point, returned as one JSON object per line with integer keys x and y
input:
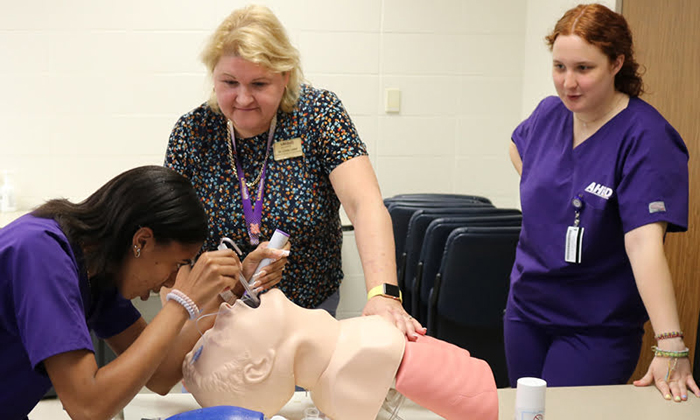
{"x": 254, "y": 358}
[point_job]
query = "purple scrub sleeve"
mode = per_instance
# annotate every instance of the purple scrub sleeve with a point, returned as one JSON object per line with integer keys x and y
{"x": 45, "y": 309}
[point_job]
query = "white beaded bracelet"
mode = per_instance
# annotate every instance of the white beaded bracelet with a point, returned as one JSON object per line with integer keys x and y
{"x": 185, "y": 301}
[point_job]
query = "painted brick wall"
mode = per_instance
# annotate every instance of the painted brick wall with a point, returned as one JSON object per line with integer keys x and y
{"x": 90, "y": 88}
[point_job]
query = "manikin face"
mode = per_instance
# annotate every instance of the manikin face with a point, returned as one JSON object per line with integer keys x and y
{"x": 156, "y": 267}
{"x": 583, "y": 76}
{"x": 241, "y": 360}
{"x": 248, "y": 94}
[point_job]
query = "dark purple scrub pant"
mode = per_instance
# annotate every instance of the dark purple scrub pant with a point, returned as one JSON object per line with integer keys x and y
{"x": 566, "y": 356}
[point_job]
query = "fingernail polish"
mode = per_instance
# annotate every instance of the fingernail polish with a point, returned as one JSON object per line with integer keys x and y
{"x": 667, "y": 396}
{"x": 684, "y": 397}
{"x": 677, "y": 398}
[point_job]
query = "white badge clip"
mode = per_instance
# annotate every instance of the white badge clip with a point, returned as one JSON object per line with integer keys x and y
{"x": 574, "y": 234}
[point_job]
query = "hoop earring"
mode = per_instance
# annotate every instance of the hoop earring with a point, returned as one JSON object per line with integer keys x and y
{"x": 137, "y": 251}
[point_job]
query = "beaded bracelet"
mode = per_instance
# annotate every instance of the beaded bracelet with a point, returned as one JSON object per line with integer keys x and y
{"x": 185, "y": 301}
{"x": 672, "y": 334}
{"x": 666, "y": 353}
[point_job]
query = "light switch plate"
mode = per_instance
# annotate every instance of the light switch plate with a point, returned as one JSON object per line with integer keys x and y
{"x": 392, "y": 102}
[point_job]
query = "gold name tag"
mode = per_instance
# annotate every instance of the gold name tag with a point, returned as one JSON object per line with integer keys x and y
{"x": 288, "y": 149}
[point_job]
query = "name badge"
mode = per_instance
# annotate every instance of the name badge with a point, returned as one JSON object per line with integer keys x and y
{"x": 574, "y": 244}
{"x": 288, "y": 149}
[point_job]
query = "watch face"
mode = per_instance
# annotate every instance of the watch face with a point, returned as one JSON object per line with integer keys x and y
{"x": 392, "y": 290}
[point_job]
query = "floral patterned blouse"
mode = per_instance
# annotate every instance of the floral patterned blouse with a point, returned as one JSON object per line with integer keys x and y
{"x": 299, "y": 198}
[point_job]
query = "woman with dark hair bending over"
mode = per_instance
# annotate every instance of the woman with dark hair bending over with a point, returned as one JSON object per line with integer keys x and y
{"x": 596, "y": 159}
{"x": 66, "y": 269}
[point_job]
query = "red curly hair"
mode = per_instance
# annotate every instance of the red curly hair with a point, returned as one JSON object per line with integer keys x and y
{"x": 608, "y": 31}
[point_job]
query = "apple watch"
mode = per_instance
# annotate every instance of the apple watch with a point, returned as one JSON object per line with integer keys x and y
{"x": 391, "y": 291}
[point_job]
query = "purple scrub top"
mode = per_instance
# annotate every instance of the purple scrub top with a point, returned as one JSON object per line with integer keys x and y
{"x": 632, "y": 172}
{"x": 45, "y": 309}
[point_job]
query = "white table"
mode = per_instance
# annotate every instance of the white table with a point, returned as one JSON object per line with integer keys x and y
{"x": 153, "y": 406}
{"x": 614, "y": 402}
{"x": 619, "y": 402}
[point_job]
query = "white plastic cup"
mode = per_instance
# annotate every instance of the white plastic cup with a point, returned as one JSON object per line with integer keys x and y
{"x": 529, "y": 399}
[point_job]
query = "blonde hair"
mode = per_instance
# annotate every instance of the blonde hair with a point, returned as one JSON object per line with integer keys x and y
{"x": 255, "y": 34}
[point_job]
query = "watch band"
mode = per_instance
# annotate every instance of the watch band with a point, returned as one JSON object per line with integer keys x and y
{"x": 386, "y": 290}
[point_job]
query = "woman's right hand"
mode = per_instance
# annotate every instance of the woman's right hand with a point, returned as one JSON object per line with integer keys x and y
{"x": 673, "y": 384}
{"x": 213, "y": 272}
{"x": 270, "y": 275}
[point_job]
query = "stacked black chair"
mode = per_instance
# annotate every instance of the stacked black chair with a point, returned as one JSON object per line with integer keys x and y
{"x": 433, "y": 246}
{"x": 401, "y": 213}
{"x": 415, "y": 239}
{"x": 469, "y": 296}
{"x": 401, "y": 208}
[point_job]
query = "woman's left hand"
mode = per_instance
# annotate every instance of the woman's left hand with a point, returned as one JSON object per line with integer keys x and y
{"x": 679, "y": 380}
{"x": 393, "y": 311}
{"x": 270, "y": 275}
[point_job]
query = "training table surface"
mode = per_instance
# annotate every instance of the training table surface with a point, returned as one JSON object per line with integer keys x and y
{"x": 568, "y": 403}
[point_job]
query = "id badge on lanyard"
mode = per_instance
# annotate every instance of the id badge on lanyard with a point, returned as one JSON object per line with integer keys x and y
{"x": 252, "y": 206}
{"x": 574, "y": 234}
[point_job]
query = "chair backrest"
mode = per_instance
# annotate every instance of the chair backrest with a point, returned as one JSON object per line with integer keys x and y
{"x": 401, "y": 213}
{"x": 415, "y": 232}
{"x": 433, "y": 246}
{"x": 435, "y": 201}
{"x": 469, "y": 297}
{"x": 435, "y": 197}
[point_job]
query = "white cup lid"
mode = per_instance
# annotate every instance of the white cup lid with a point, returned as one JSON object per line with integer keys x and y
{"x": 530, "y": 393}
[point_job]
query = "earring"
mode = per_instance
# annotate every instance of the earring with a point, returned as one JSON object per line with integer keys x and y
{"x": 137, "y": 251}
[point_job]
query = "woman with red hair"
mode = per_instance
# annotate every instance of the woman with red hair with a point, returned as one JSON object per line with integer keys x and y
{"x": 600, "y": 160}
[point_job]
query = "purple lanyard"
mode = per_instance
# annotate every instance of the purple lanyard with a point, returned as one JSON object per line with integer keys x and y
{"x": 252, "y": 214}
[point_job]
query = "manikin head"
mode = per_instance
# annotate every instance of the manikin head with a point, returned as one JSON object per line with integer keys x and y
{"x": 253, "y": 357}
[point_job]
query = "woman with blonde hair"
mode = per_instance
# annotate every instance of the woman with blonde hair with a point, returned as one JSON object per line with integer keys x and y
{"x": 268, "y": 151}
